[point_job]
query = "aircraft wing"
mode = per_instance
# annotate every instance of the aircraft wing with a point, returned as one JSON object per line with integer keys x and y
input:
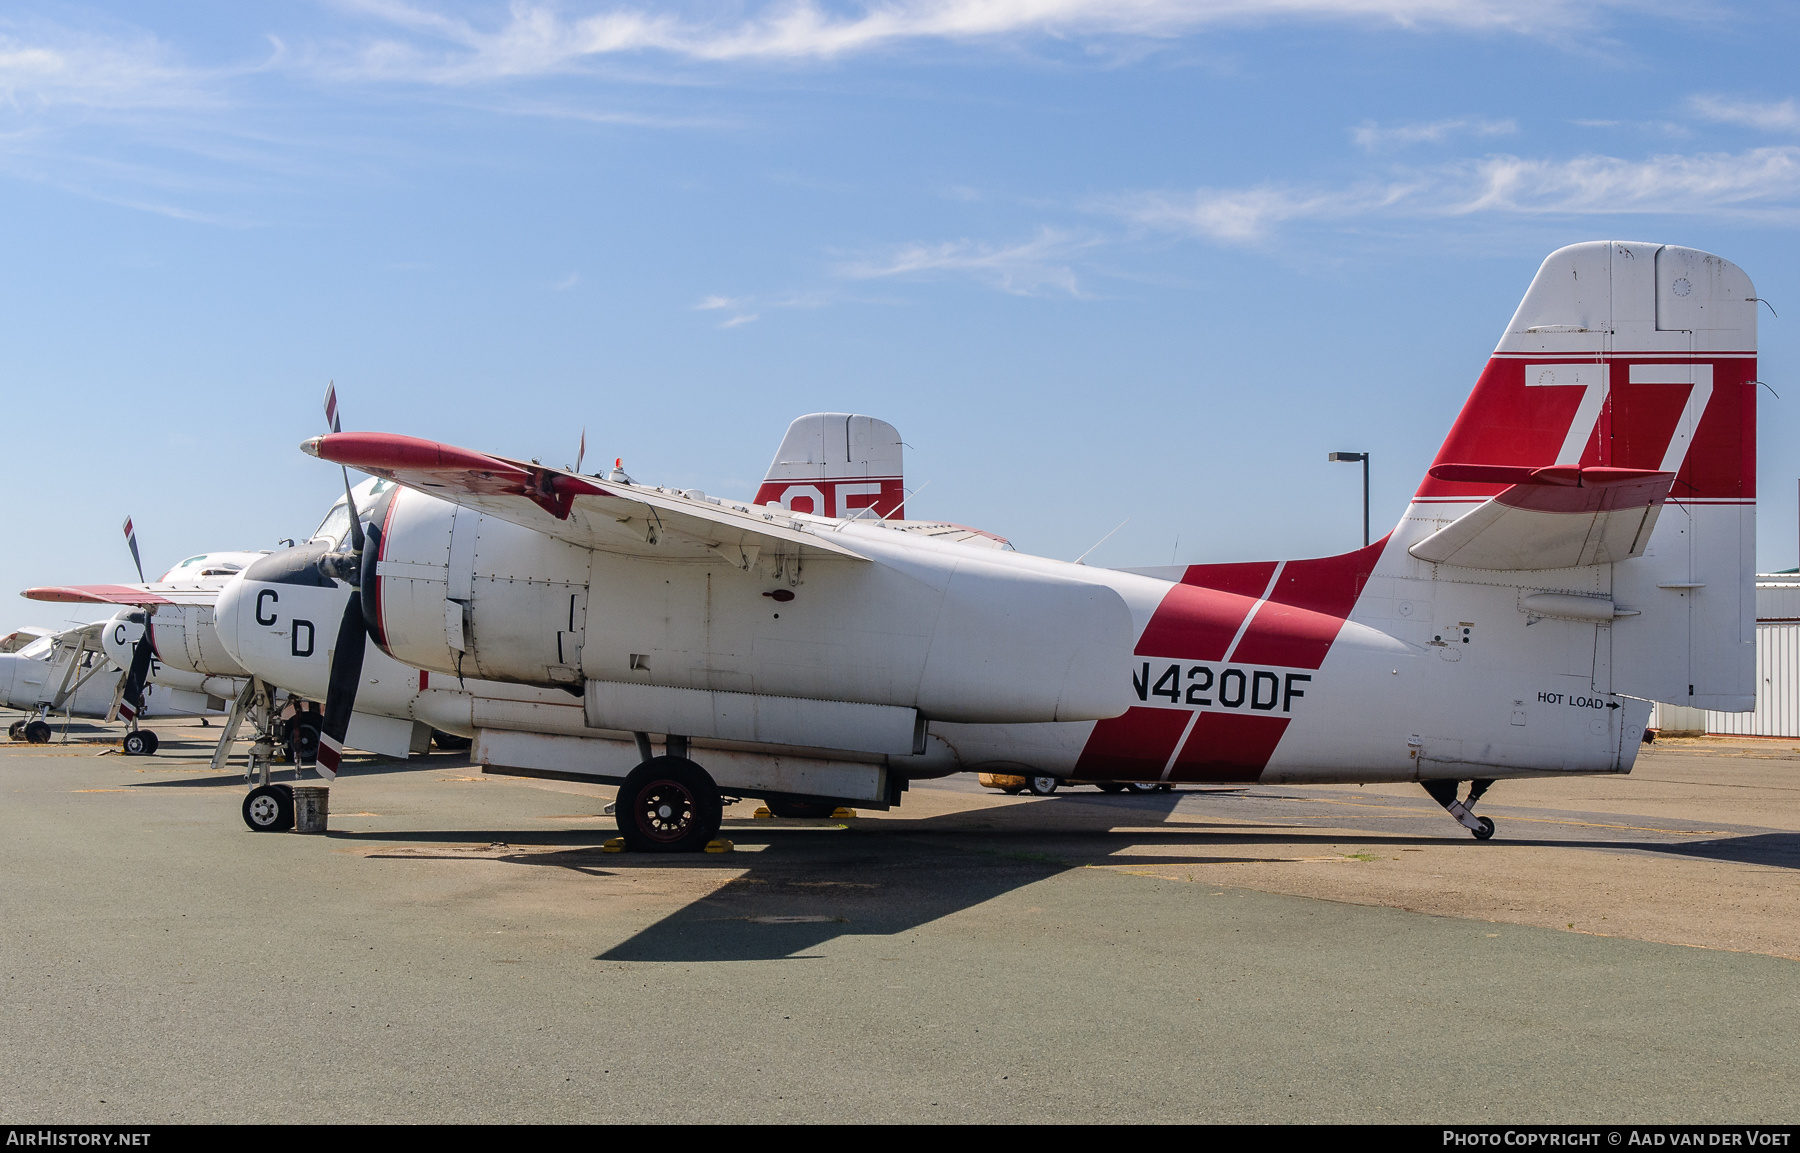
{"x": 630, "y": 519}
{"x": 143, "y": 596}
{"x": 1556, "y": 517}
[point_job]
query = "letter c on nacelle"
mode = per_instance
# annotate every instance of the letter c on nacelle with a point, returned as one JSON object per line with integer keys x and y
{"x": 273, "y": 596}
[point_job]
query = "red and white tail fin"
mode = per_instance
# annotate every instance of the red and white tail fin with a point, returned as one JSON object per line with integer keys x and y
{"x": 838, "y": 464}
{"x": 1628, "y": 373}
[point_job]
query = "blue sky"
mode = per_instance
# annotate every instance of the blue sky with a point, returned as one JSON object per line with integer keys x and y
{"x": 1142, "y": 258}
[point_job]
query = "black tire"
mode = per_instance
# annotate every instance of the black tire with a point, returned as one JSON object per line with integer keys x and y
{"x": 137, "y": 744}
{"x": 1486, "y": 830}
{"x": 303, "y": 740}
{"x": 450, "y": 742}
{"x": 270, "y": 809}
{"x": 1146, "y": 786}
{"x": 1040, "y": 785}
{"x": 155, "y": 741}
{"x": 16, "y": 730}
{"x": 1109, "y": 786}
{"x": 668, "y": 805}
{"x": 801, "y": 808}
{"x": 37, "y": 733}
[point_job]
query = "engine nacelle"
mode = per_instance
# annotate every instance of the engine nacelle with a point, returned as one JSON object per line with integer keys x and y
{"x": 920, "y": 625}
{"x": 183, "y": 637}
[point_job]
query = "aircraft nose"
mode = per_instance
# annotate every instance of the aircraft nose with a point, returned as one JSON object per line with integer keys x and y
{"x": 225, "y": 616}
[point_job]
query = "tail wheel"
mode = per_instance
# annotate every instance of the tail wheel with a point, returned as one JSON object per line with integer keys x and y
{"x": 270, "y": 809}
{"x": 37, "y": 733}
{"x": 668, "y": 805}
{"x": 1486, "y": 830}
{"x": 1041, "y": 786}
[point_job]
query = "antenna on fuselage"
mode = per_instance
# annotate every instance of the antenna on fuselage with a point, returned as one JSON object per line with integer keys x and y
{"x": 1082, "y": 559}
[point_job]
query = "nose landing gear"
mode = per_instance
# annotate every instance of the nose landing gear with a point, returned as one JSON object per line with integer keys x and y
{"x": 1444, "y": 793}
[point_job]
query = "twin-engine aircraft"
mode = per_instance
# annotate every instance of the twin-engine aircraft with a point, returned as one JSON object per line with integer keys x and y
{"x": 1582, "y": 545}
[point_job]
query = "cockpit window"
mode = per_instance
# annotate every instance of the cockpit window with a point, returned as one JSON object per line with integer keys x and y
{"x": 335, "y": 524}
{"x": 38, "y": 649}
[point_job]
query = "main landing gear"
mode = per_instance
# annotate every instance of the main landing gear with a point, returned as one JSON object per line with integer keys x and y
{"x": 668, "y": 805}
{"x": 31, "y": 732}
{"x": 1444, "y": 793}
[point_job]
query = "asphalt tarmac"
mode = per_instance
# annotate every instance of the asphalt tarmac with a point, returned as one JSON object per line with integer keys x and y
{"x": 459, "y": 949}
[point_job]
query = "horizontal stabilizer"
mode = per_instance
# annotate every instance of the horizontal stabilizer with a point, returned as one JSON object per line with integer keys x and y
{"x": 1555, "y": 517}
{"x": 609, "y": 516}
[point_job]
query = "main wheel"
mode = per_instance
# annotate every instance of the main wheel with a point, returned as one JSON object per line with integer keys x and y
{"x": 270, "y": 809}
{"x": 152, "y": 738}
{"x": 138, "y": 744}
{"x": 37, "y": 733}
{"x": 450, "y": 742}
{"x": 16, "y": 730}
{"x": 1147, "y": 786}
{"x": 801, "y": 808}
{"x": 1486, "y": 830}
{"x": 668, "y": 805}
{"x": 1041, "y": 786}
{"x": 1109, "y": 786}
{"x": 303, "y": 740}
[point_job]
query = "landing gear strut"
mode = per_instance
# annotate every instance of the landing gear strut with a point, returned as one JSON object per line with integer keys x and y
{"x": 1444, "y": 793}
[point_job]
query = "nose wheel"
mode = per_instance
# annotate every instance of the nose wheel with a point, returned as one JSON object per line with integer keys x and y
{"x": 1444, "y": 793}
{"x": 270, "y": 809}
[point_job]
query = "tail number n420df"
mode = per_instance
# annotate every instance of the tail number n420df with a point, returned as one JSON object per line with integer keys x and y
{"x": 1214, "y": 687}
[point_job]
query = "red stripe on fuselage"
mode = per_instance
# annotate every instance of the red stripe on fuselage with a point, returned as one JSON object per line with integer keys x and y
{"x": 1132, "y": 747}
{"x": 1195, "y": 621}
{"x": 1228, "y": 747}
{"x": 1307, "y": 608}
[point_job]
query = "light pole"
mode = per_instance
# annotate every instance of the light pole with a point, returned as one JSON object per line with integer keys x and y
{"x": 1352, "y": 458}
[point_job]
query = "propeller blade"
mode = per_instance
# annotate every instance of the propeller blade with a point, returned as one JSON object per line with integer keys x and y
{"x": 131, "y": 539}
{"x": 132, "y": 701}
{"x": 340, "y": 696}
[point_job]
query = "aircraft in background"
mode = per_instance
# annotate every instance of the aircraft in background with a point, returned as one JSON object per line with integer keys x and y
{"x": 1531, "y": 603}
{"x": 75, "y": 673}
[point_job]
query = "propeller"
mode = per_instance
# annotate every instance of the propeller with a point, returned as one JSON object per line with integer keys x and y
{"x": 353, "y": 630}
{"x": 131, "y": 696}
{"x": 131, "y": 539}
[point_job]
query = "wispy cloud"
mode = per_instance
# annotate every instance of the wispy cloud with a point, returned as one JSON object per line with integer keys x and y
{"x": 1781, "y": 117}
{"x": 567, "y": 282}
{"x": 1373, "y": 137}
{"x": 1676, "y": 185}
{"x": 1244, "y": 214}
{"x": 46, "y": 66}
{"x": 539, "y": 39}
{"x": 1037, "y": 267}
{"x": 1762, "y": 182}
{"x": 738, "y": 306}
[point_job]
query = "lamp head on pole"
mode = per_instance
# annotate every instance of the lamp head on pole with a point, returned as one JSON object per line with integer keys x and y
{"x": 1349, "y": 457}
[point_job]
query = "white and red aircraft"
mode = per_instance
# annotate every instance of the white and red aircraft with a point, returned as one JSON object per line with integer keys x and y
{"x": 1582, "y": 546}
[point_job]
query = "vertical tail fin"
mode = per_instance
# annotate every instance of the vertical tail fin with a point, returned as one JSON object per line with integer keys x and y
{"x": 838, "y": 464}
{"x": 1627, "y": 367}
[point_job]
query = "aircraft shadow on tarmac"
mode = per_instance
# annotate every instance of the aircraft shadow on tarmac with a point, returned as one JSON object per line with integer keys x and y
{"x": 809, "y": 883}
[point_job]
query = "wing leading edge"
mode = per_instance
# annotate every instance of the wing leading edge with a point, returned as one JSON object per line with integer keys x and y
{"x": 632, "y": 520}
